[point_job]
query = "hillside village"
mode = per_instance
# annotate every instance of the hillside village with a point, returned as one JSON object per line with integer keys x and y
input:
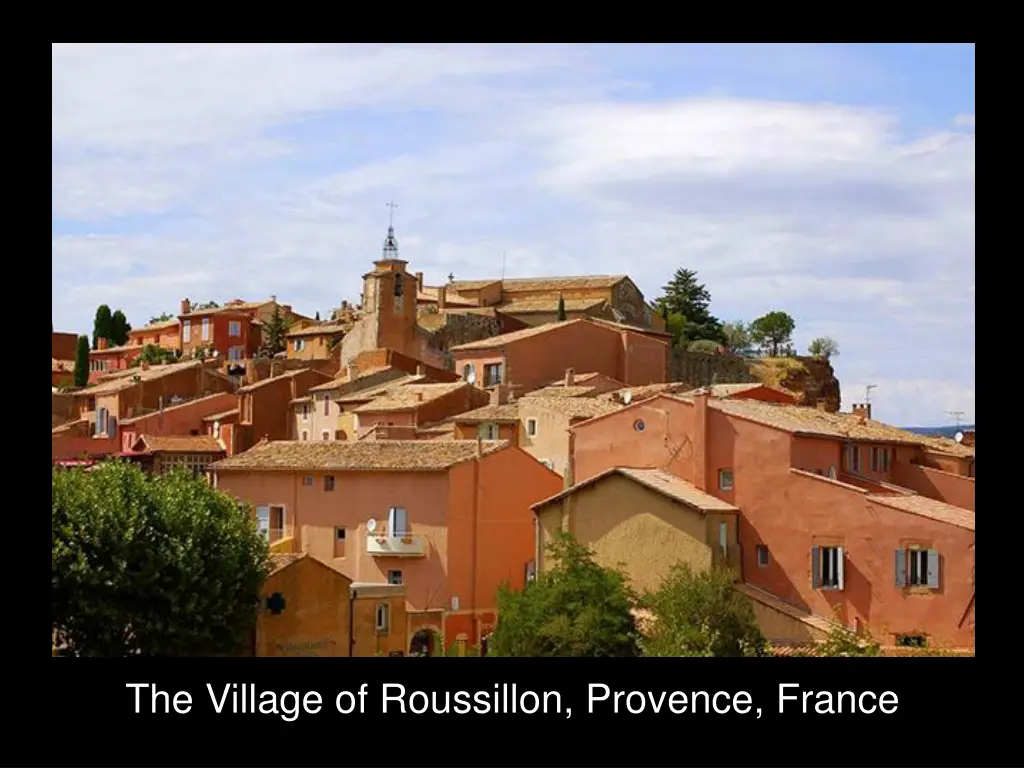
{"x": 424, "y": 444}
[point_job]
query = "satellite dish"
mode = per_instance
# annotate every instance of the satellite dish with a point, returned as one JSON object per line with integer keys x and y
{"x": 959, "y": 437}
{"x": 371, "y": 525}
{"x": 627, "y": 397}
{"x": 215, "y": 353}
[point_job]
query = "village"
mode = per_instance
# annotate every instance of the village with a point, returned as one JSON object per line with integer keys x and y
{"x": 415, "y": 452}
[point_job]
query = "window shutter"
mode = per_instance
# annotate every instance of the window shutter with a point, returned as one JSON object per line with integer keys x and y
{"x": 933, "y": 568}
{"x": 840, "y": 571}
{"x": 112, "y": 427}
{"x": 901, "y": 567}
{"x": 816, "y": 567}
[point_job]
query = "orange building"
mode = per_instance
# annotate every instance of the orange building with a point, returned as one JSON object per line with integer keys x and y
{"x": 265, "y": 408}
{"x": 106, "y": 359}
{"x": 449, "y": 520}
{"x": 823, "y": 526}
{"x": 400, "y": 412}
{"x": 233, "y": 331}
{"x": 63, "y": 345}
{"x": 165, "y": 334}
{"x": 532, "y": 358}
{"x": 314, "y": 342}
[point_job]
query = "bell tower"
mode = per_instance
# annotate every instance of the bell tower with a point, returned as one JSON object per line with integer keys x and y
{"x": 389, "y": 293}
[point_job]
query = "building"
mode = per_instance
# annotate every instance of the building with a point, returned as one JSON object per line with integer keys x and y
{"x": 327, "y": 410}
{"x": 233, "y": 331}
{"x": 265, "y": 408}
{"x": 574, "y": 384}
{"x": 165, "y": 334}
{"x": 449, "y": 520}
{"x": 530, "y": 359}
{"x": 308, "y": 608}
{"x": 534, "y": 301}
{"x": 158, "y": 454}
{"x": 314, "y": 342}
{"x": 828, "y": 520}
{"x": 106, "y": 359}
{"x": 401, "y": 411}
{"x": 62, "y": 373}
{"x": 63, "y": 345}
{"x": 642, "y": 521}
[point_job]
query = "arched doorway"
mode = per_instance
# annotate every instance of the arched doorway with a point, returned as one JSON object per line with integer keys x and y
{"x": 424, "y": 643}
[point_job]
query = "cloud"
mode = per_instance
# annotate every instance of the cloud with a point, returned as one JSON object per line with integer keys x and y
{"x": 964, "y": 120}
{"x": 265, "y": 169}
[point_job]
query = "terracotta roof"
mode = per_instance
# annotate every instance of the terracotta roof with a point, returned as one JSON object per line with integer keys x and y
{"x": 343, "y": 379}
{"x": 578, "y": 378}
{"x": 513, "y": 285}
{"x": 375, "y": 455}
{"x": 410, "y": 397}
{"x": 279, "y": 377}
{"x": 547, "y": 304}
{"x": 281, "y": 560}
{"x": 811, "y": 421}
{"x": 154, "y": 327}
{"x": 380, "y": 390}
{"x": 573, "y": 407}
{"x": 514, "y": 336}
{"x": 190, "y": 444}
{"x": 328, "y": 329}
{"x": 560, "y": 390}
{"x": 507, "y": 412}
{"x": 628, "y": 327}
{"x": 769, "y": 600}
{"x": 648, "y": 390}
{"x": 172, "y": 407}
{"x": 231, "y": 307}
{"x": 118, "y": 349}
{"x": 469, "y": 285}
{"x": 667, "y": 485}
{"x": 221, "y": 416}
{"x": 437, "y": 429}
{"x": 925, "y": 507}
{"x": 145, "y": 374}
{"x": 62, "y": 365}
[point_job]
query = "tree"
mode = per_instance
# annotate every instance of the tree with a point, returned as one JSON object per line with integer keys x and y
{"x": 701, "y": 614}
{"x": 577, "y": 608}
{"x": 704, "y": 347}
{"x": 561, "y": 308}
{"x": 163, "y": 317}
{"x": 737, "y": 337}
{"x": 823, "y": 347}
{"x": 82, "y": 362}
{"x": 687, "y": 305}
{"x": 101, "y": 325}
{"x": 154, "y": 355}
{"x": 119, "y": 329}
{"x": 274, "y": 330}
{"x": 773, "y": 331}
{"x": 167, "y": 566}
{"x": 843, "y": 641}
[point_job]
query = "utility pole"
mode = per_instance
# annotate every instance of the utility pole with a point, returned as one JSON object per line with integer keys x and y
{"x": 957, "y": 416}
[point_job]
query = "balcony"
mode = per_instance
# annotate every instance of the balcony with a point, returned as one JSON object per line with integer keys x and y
{"x": 384, "y": 544}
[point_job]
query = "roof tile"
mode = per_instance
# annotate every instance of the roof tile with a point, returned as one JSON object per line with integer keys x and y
{"x": 410, "y": 396}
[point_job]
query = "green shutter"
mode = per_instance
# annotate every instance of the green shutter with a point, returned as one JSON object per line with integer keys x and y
{"x": 933, "y": 568}
{"x": 901, "y": 567}
{"x": 840, "y": 571}
{"x": 816, "y": 567}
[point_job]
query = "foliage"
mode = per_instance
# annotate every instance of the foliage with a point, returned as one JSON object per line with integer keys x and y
{"x": 737, "y": 337}
{"x": 701, "y": 614}
{"x": 204, "y": 305}
{"x": 161, "y": 318}
{"x": 704, "y": 346}
{"x": 561, "y": 309}
{"x": 823, "y": 347}
{"x": 773, "y": 331}
{"x": 274, "y": 330}
{"x": 155, "y": 355}
{"x": 119, "y": 329}
{"x": 82, "y": 362}
{"x": 166, "y": 566}
{"x": 687, "y": 313}
{"x": 842, "y": 641}
{"x": 101, "y": 325}
{"x": 577, "y": 608}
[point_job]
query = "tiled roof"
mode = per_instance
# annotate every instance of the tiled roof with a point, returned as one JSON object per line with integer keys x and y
{"x": 172, "y": 408}
{"x": 162, "y": 325}
{"x": 648, "y": 390}
{"x": 811, "y": 421}
{"x": 280, "y": 377}
{"x": 560, "y": 390}
{"x": 61, "y": 365}
{"x": 380, "y": 390}
{"x": 410, "y": 397}
{"x": 547, "y": 304}
{"x": 221, "y": 416}
{"x": 507, "y": 412}
{"x": 116, "y": 350}
{"x": 514, "y": 285}
{"x": 343, "y": 379}
{"x": 573, "y": 407}
{"x": 925, "y": 507}
{"x": 514, "y": 336}
{"x": 281, "y": 560}
{"x": 230, "y": 307}
{"x": 667, "y": 485}
{"x": 813, "y": 620}
{"x": 187, "y": 444}
{"x": 374, "y": 455}
{"x": 328, "y": 329}
{"x": 470, "y": 285}
{"x": 145, "y": 374}
{"x": 628, "y": 327}
{"x": 578, "y": 378}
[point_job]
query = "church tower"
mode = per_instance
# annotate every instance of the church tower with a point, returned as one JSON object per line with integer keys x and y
{"x": 389, "y": 293}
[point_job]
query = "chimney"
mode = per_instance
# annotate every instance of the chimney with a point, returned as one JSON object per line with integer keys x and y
{"x": 102, "y": 344}
{"x": 700, "y": 438}
{"x": 421, "y": 370}
{"x": 353, "y": 371}
{"x": 442, "y": 295}
{"x": 499, "y": 395}
{"x": 419, "y": 281}
{"x": 862, "y": 411}
{"x": 186, "y": 306}
{"x": 570, "y": 377}
{"x": 344, "y": 304}
{"x": 273, "y": 298}
{"x": 479, "y": 446}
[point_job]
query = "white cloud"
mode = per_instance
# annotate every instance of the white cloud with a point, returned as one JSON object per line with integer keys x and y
{"x": 825, "y": 210}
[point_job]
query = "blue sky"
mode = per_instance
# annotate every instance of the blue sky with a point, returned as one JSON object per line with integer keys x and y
{"x": 835, "y": 182}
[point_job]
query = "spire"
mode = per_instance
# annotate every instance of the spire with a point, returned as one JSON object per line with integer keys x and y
{"x": 390, "y": 243}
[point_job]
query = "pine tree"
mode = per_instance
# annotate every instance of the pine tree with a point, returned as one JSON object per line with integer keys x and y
{"x": 82, "y": 362}
{"x": 561, "y": 308}
{"x": 274, "y": 330}
{"x": 101, "y": 325}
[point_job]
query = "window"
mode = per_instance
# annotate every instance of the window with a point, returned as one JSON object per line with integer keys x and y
{"x": 639, "y": 425}
{"x": 327, "y": 405}
{"x": 383, "y": 622}
{"x": 307, "y": 480}
{"x": 305, "y": 435}
{"x": 234, "y": 328}
{"x": 305, "y": 413}
{"x": 186, "y": 331}
{"x": 325, "y": 435}
{"x": 328, "y": 482}
{"x": 299, "y": 344}
{"x": 723, "y": 538}
{"x": 394, "y": 577}
{"x": 339, "y": 542}
{"x": 236, "y": 353}
{"x": 531, "y": 427}
{"x": 398, "y": 522}
{"x": 206, "y": 329}
{"x": 853, "y": 458}
{"x": 875, "y": 459}
{"x": 488, "y": 431}
{"x": 725, "y": 479}
{"x": 911, "y": 641}
{"x": 827, "y": 567}
{"x": 492, "y": 374}
{"x": 885, "y": 459}
{"x": 763, "y": 556}
{"x": 398, "y": 284}
{"x": 917, "y": 567}
{"x": 469, "y": 373}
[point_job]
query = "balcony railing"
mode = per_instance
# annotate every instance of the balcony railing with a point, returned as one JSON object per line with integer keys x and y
{"x": 384, "y": 543}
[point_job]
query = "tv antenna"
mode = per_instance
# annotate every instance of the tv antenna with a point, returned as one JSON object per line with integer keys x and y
{"x": 867, "y": 393}
{"x": 503, "y": 253}
{"x": 391, "y": 213}
{"x": 957, "y": 415}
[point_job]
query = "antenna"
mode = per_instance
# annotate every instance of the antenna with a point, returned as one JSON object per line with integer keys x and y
{"x": 957, "y": 415}
{"x": 391, "y": 213}
{"x": 867, "y": 393}
{"x": 503, "y": 253}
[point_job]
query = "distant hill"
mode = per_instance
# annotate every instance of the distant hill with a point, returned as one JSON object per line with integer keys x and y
{"x": 939, "y": 431}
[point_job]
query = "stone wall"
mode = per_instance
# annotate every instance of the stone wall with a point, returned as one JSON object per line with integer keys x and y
{"x": 702, "y": 370}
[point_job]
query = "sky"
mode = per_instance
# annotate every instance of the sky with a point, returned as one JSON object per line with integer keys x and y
{"x": 833, "y": 182}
